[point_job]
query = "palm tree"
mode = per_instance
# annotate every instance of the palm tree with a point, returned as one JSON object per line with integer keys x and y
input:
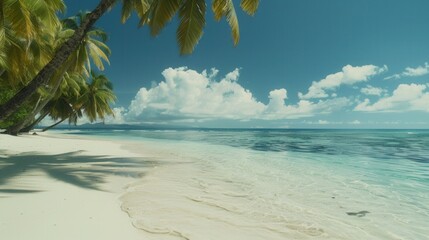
{"x": 96, "y": 98}
{"x": 155, "y": 13}
{"x": 61, "y": 105}
{"x": 27, "y": 31}
{"x": 93, "y": 101}
{"x": 92, "y": 48}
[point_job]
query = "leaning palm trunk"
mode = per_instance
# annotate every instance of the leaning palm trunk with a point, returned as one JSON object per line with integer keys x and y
{"x": 34, "y": 123}
{"x": 59, "y": 58}
{"x": 53, "y": 125}
{"x": 17, "y": 128}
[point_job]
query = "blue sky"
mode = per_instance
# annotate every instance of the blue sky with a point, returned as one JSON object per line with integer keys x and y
{"x": 299, "y": 63}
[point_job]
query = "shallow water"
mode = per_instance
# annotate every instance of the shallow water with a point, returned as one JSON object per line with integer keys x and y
{"x": 281, "y": 184}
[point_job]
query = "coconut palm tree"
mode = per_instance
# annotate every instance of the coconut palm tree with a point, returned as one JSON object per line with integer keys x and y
{"x": 96, "y": 98}
{"x": 92, "y": 101}
{"x": 27, "y": 30}
{"x": 91, "y": 49}
{"x": 155, "y": 13}
{"x": 61, "y": 105}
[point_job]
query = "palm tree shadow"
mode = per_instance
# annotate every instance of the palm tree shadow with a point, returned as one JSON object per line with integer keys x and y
{"x": 84, "y": 171}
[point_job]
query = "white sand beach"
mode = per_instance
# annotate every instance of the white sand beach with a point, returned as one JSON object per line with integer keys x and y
{"x": 57, "y": 188}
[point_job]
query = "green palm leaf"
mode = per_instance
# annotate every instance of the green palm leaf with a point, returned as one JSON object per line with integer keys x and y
{"x": 226, "y": 8}
{"x": 46, "y": 11}
{"x": 91, "y": 50}
{"x": 139, "y": 6}
{"x": 142, "y": 6}
{"x": 249, "y": 6}
{"x": 96, "y": 55}
{"x": 2, "y": 25}
{"x": 192, "y": 21}
{"x": 161, "y": 13}
{"x": 127, "y": 9}
{"x": 218, "y": 7}
{"x": 98, "y": 33}
{"x": 96, "y": 97}
{"x": 19, "y": 18}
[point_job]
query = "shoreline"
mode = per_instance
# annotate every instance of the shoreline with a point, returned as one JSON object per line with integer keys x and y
{"x": 75, "y": 186}
{"x": 57, "y": 187}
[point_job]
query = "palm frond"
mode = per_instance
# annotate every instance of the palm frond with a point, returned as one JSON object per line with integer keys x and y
{"x": 129, "y": 6}
{"x": 46, "y": 11}
{"x": 19, "y": 18}
{"x": 142, "y": 6}
{"x": 66, "y": 33}
{"x": 97, "y": 55}
{"x": 98, "y": 33}
{"x": 70, "y": 23}
{"x": 103, "y": 47}
{"x": 162, "y": 12}
{"x": 249, "y": 6}
{"x": 226, "y": 8}
{"x": 2, "y": 25}
{"x": 127, "y": 9}
{"x": 218, "y": 8}
{"x": 192, "y": 21}
{"x": 53, "y": 5}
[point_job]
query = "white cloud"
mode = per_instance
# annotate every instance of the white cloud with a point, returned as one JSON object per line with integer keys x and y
{"x": 304, "y": 108}
{"x": 370, "y": 90}
{"x": 117, "y": 118}
{"x": 394, "y": 76}
{"x": 418, "y": 71}
{"x": 355, "y": 122}
{"x": 411, "y": 72}
{"x": 348, "y": 76}
{"x": 187, "y": 94}
{"x": 406, "y": 97}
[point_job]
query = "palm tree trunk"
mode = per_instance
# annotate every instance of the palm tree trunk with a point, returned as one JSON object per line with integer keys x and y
{"x": 24, "y": 124}
{"x": 14, "y": 129}
{"x": 34, "y": 123}
{"x": 53, "y": 125}
{"x": 59, "y": 58}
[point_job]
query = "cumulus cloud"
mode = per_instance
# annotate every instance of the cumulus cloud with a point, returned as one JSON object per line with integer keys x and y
{"x": 304, "y": 108}
{"x": 370, "y": 90}
{"x": 118, "y": 116}
{"x": 411, "y": 72}
{"x": 348, "y": 76}
{"x": 186, "y": 94}
{"x": 406, "y": 97}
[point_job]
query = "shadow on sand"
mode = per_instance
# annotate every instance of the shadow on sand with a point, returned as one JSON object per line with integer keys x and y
{"x": 74, "y": 168}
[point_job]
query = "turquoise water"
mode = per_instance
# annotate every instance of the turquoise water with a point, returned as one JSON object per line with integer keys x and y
{"x": 289, "y": 184}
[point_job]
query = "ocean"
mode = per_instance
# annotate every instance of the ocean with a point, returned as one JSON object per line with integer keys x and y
{"x": 279, "y": 184}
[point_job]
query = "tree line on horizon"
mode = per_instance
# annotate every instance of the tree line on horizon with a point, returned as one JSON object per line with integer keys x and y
{"x": 52, "y": 67}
